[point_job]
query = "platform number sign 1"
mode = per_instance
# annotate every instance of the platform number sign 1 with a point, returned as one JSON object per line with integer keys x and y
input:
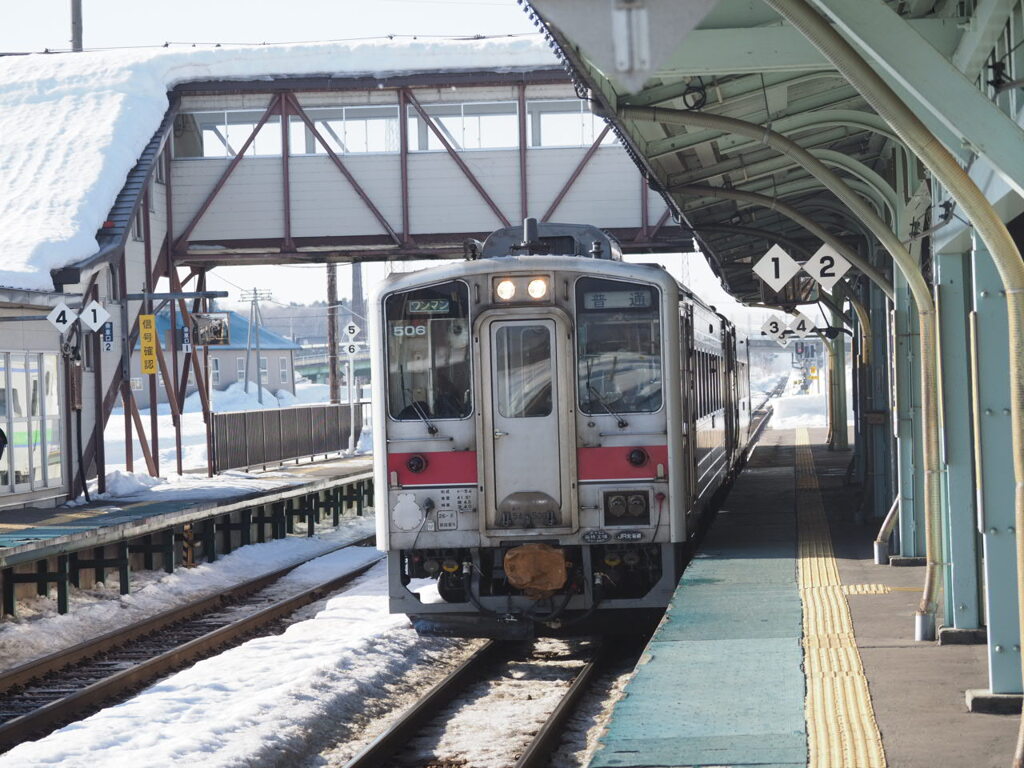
{"x": 776, "y": 268}
{"x": 94, "y": 315}
{"x": 826, "y": 266}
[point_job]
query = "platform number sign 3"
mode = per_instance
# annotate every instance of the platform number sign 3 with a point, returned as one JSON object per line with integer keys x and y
{"x": 776, "y": 268}
{"x": 827, "y": 267}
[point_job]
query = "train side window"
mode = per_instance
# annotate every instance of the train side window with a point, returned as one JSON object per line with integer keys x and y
{"x": 428, "y": 349}
{"x": 618, "y": 346}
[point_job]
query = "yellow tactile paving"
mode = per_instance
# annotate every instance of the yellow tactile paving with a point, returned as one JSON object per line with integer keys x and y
{"x": 841, "y": 727}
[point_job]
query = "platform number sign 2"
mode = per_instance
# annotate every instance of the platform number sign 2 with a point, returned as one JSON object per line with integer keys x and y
{"x": 826, "y": 267}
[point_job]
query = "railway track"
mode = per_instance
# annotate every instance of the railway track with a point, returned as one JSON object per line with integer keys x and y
{"x": 38, "y": 696}
{"x": 492, "y": 677}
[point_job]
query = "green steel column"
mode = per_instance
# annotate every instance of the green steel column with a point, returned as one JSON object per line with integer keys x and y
{"x": 994, "y": 472}
{"x": 907, "y": 370}
{"x": 953, "y": 303}
{"x": 840, "y": 437}
{"x": 881, "y": 472}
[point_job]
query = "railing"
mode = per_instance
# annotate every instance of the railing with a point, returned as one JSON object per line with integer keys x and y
{"x": 254, "y": 438}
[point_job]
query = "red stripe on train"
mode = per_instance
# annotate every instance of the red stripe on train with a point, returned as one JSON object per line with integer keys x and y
{"x": 613, "y": 463}
{"x": 442, "y": 468}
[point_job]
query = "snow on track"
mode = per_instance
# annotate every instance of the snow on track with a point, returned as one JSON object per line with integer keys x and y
{"x": 39, "y": 630}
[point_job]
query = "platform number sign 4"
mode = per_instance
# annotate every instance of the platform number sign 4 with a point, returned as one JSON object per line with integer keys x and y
{"x": 827, "y": 267}
{"x": 62, "y": 317}
{"x": 802, "y": 326}
{"x": 776, "y": 268}
{"x": 94, "y": 315}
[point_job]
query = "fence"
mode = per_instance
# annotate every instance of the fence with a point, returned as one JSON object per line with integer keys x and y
{"x": 253, "y": 438}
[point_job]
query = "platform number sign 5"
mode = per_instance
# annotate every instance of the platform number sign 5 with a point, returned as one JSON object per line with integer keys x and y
{"x": 826, "y": 267}
{"x": 776, "y": 268}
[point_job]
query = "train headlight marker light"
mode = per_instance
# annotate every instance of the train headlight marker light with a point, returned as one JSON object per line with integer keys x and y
{"x": 537, "y": 288}
{"x": 505, "y": 290}
{"x": 450, "y": 566}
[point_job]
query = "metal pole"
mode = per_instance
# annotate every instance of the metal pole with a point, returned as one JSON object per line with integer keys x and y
{"x": 248, "y": 346}
{"x": 76, "y": 25}
{"x": 259, "y": 360}
{"x": 332, "y": 332}
{"x": 351, "y": 408}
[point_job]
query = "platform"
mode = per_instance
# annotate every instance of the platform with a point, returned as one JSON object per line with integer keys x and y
{"x": 28, "y": 534}
{"x": 786, "y": 646}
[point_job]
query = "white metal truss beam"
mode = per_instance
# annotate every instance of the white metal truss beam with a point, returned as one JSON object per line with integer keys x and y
{"x": 986, "y": 24}
{"x": 892, "y": 45}
{"x": 778, "y": 48}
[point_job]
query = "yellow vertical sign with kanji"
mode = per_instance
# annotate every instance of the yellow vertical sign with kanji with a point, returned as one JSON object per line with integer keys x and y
{"x": 147, "y": 339}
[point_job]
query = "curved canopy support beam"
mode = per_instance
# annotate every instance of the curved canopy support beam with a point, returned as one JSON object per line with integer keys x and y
{"x": 806, "y": 222}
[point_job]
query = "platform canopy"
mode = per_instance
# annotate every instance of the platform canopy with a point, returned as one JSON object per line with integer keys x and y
{"x": 739, "y": 59}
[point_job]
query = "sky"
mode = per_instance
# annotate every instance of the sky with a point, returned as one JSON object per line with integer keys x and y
{"x": 45, "y": 24}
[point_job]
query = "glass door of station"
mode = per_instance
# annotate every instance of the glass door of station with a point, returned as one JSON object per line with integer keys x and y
{"x": 30, "y": 420}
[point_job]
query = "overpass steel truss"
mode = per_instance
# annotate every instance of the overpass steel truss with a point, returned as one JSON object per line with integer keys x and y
{"x": 397, "y": 240}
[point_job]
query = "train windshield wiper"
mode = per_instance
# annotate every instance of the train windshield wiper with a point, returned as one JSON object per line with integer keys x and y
{"x": 622, "y": 423}
{"x": 423, "y": 416}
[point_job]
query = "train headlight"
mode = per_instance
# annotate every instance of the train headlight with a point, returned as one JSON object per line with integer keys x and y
{"x": 538, "y": 288}
{"x": 505, "y": 290}
{"x": 637, "y": 457}
{"x": 416, "y": 464}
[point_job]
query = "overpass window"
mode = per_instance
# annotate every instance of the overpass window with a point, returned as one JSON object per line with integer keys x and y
{"x": 483, "y": 125}
{"x": 563, "y": 123}
{"x": 222, "y": 134}
{"x": 618, "y": 346}
{"x": 284, "y": 370}
{"x": 346, "y": 130}
{"x": 427, "y": 340}
{"x": 214, "y": 372}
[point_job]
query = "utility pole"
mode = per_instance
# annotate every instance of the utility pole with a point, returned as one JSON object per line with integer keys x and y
{"x": 332, "y": 333}
{"x": 76, "y": 25}
{"x": 254, "y": 296}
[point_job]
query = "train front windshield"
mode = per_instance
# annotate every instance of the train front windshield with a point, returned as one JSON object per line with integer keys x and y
{"x": 428, "y": 353}
{"x": 618, "y": 347}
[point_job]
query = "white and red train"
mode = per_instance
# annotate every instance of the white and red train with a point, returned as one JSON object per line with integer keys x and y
{"x": 551, "y": 425}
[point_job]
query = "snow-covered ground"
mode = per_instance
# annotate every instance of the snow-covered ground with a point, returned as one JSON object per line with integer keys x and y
{"x": 39, "y": 630}
{"x": 193, "y": 430}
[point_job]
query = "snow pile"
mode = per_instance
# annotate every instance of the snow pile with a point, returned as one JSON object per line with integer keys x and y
{"x": 73, "y": 125}
{"x": 39, "y": 630}
{"x": 792, "y": 411}
{"x": 266, "y": 702}
{"x": 123, "y": 485}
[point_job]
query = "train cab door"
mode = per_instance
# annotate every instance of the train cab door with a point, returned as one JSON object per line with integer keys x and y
{"x": 526, "y": 417}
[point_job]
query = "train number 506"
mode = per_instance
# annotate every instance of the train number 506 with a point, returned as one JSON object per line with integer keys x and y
{"x": 409, "y": 330}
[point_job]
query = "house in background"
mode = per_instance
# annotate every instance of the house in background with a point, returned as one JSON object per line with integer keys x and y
{"x": 276, "y": 362}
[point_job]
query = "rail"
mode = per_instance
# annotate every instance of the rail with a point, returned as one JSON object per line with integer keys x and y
{"x": 35, "y": 695}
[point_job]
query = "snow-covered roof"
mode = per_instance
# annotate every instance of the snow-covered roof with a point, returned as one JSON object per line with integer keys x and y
{"x": 73, "y": 125}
